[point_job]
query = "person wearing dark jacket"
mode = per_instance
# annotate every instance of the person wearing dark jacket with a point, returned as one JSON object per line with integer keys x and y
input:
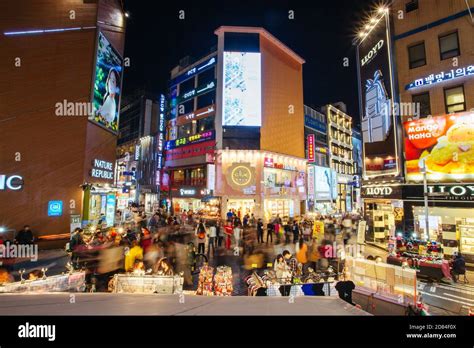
{"x": 458, "y": 266}
{"x": 296, "y": 232}
{"x": 25, "y": 236}
{"x": 260, "y": 231}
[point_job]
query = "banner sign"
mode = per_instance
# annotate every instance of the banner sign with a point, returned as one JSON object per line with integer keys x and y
{"x": 193, "y": 139}
{"x": 441, "y": 77}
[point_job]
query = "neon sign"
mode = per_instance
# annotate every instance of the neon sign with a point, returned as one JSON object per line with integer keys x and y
{"x": 14, "y": 182}
{"x": 197, "y": 69}
{"x": 102, "y": 169}
{"x": 310, "y": 141}
{"x": 197, "y": 91}
{"x": 193, "y": 139}
{"x": 441, "y": 77}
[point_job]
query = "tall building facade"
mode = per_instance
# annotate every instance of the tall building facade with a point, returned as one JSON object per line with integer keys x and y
{"x": 62, "y": 67}
{"x": 235, "y": 129}
{"x": 339, "y": 126}
{"x": 139, "y": 151}
{"x": 321, "y": 195}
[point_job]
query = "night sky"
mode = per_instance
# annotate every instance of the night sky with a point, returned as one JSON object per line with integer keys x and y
{"x": 321, "y": 33}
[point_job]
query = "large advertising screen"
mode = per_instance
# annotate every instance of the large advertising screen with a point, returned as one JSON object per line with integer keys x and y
{"x": 445, "y": 143}
{"x": 242, "y": 89}
{"x": 107, "y": 85}
{"x": 376, "y": 101}
{"x": 323, "y": 184}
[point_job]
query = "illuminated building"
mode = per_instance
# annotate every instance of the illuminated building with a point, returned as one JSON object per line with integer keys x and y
{"x": 244, "y": 97}
{"x": 60, "y": 121}
{"x": 422, "y": 56}
{"x": 139, "y": 157}
{"x": 339, "y": 126}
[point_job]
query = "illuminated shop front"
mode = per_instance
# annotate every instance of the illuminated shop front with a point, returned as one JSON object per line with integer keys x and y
{"x": 100, "y": 196}
{"x": 450, "y": 216}
{"x": 262, "y": 183}
{"x": 383, "y": 211}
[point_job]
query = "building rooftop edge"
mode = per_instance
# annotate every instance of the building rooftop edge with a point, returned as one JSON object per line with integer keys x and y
{"x": 259, "y": 30}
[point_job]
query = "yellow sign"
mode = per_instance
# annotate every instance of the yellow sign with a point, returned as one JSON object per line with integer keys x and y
{"x": 318, "y": 230}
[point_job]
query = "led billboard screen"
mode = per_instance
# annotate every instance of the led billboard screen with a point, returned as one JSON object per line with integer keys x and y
{"x": 107, "y": 85}
{"x": 445, "y": 143}
{"x": 242, "y": 89}
{"x": 376, "y": 100}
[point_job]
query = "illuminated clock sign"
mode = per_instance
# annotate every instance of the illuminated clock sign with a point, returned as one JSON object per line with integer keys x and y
{"x": 193, "y": 139}
{"x": 196, "y": 70}
{"x": 441, "y": 77}
{"x": 241, "y": 176}
{"x": 12, "y": 182}
{"x": 197, "y": 91}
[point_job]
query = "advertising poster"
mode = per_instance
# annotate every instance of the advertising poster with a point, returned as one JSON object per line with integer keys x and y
{"x": 445, "y": 143}
{"x": 107, "y": 85}
{"x": 376, "y": 100}
{"x": 323, "y": 183}
{"x": 242, "y": 89}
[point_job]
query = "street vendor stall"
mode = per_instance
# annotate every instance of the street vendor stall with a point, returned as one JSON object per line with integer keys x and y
{"x": 429, "y": 267}
{"x": 147, "y": 284}
{"x": 74, "y": 281}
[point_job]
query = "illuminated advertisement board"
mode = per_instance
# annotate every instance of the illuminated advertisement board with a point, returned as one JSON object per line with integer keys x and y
{"x": 445, "y": 143}
{"x": 193, "y": 139}
{"x": 323, "y": 183}
{"x": 242, "y": 89}
{"x": 376, "y": 93}
{"x": 107, "y": 86}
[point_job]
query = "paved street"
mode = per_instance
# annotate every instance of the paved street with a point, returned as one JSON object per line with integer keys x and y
{"x": 126, "y": 304}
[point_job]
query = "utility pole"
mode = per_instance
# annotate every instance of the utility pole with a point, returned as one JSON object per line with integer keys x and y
{"x": 425, "y": 196}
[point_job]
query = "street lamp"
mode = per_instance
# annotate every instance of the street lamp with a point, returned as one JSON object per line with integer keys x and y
{"x": 422, "y": 165}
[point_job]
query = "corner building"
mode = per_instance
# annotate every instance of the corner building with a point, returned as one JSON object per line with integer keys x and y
{"x": 54, "y": 68}
{"x": 239, "y": 107}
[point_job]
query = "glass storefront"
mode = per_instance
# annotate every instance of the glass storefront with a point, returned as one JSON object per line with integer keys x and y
{"x": 244, "y": 206}
{"x": 382, "y": 217}
{"x": 282, "y": 207}
{"x": 454, "y": 227}
{"x": 102, "y": 204}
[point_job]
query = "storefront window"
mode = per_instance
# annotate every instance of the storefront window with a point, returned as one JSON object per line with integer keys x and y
{"x": 205, "y": 124}
{"x": 189, "y": 177}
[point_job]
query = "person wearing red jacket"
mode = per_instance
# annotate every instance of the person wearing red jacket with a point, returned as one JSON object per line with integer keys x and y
{"x": 229, "y": 231}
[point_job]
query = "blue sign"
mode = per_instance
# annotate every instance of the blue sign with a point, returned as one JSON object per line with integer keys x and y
{"x": 315, "y": 124}
{"x": 55, "y": 208}
{"x": 196, "y": 70}
{"x": 441, "y": 77}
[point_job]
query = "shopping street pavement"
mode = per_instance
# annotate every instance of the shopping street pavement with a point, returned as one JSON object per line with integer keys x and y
{"x": 134, "y": 304}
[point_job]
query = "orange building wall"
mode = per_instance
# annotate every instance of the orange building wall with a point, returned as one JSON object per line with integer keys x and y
{"x": 54, "y": 149}
{"x": 282, "y": 86}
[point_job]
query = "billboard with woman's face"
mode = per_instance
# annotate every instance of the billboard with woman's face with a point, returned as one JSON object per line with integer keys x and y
{"x": 107, "y": 85}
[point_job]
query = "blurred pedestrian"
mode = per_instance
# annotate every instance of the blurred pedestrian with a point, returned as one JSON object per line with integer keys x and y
{"x": 201, "y": 237}
{"x": 296, "y": 232}
{"x": 25, "y": 236}
{"x": 259, "y": 231}
{"x": 212, "y": 239}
